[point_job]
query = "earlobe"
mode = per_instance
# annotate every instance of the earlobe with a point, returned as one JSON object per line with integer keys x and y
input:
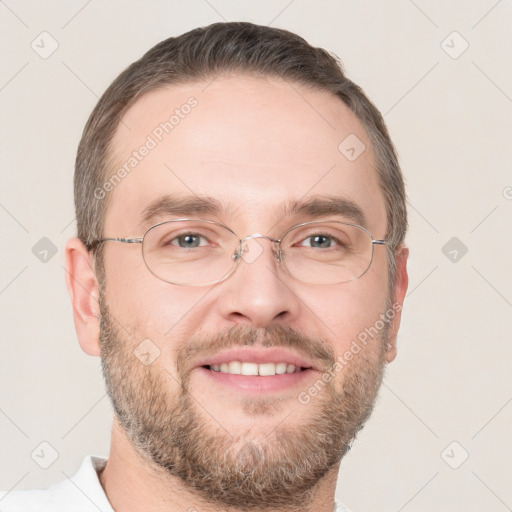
{"x": 83, "y": 290}
{"x": 399, "y": 291}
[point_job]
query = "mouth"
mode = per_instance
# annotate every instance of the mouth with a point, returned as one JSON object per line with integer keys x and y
{"x": 257, "y": 370}
{"x": 260, "y": 369}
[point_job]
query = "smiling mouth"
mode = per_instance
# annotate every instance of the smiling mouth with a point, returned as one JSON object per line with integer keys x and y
{"x": 255, "y": 369}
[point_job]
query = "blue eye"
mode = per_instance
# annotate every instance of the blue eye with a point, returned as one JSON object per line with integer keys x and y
{"x": 188, "y": 240}
{"x": 320, "y": 241}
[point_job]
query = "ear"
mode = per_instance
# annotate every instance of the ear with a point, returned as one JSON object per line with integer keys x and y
{"x": 83, "y": 290}
{"x": 399, "y": 291}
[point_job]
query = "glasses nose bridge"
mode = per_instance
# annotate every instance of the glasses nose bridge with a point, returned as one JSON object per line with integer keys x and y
{"x": 259, "y": 235}
{"x": 275, "y": 242}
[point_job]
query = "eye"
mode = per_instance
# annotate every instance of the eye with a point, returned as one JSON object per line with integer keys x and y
{"x": 188, "y": 240}
{"x": 319, "y": 241}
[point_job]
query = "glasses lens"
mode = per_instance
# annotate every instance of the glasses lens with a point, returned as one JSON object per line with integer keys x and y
{"x": 327, "y": 253}
{"x": 189, "y": 252}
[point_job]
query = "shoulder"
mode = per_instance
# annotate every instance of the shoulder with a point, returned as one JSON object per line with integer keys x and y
{"x": 80, "y": 493}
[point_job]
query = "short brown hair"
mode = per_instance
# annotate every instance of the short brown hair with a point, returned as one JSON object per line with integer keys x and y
{"x": 204, "y": 53}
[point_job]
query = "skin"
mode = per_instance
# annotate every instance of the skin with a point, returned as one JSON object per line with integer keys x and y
{"x": 254, "y": 143}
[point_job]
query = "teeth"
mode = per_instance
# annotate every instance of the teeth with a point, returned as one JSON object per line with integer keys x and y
{"x": 280, "y": 368}
{"x": 290, "y": 368}
{"x": 267, "y": 369}
{"x": 234, "y": 367}
{"x": 263, "y": 369}
{"x": 249, "y": 369}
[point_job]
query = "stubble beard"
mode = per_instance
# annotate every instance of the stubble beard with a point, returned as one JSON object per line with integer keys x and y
{"x": 239, "y": 470}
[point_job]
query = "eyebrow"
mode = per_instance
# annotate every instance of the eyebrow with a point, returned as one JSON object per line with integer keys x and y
{"x": 312, "y": 207}
{"x": 182, "y": 206}
{"x": 326, "y": 205}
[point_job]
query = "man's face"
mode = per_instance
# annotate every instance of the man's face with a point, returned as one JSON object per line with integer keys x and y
{"x": 255, "y": 145}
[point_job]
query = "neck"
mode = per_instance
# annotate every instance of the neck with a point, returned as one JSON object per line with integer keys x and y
{"x": 133, "y": 483}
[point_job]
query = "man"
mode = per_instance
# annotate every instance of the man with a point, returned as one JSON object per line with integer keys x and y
{"x": 239, "y": 268}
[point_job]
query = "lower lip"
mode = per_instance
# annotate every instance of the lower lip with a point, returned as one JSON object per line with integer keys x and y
{"x": 257, "y": 383}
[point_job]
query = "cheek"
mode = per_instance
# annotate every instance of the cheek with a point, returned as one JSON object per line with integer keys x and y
{"x": 146, "y": 306}
{"x": 349, "y": 310}
{"x": 125, "y": 273}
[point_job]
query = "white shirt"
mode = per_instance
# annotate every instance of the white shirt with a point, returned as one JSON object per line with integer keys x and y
{"x": 80, "y": 493}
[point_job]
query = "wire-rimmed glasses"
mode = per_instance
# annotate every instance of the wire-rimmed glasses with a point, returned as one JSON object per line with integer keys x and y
{"x": 192, "y": 252}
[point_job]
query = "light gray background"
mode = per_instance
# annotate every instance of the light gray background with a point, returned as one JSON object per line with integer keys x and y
{"x": 451, "y": 120}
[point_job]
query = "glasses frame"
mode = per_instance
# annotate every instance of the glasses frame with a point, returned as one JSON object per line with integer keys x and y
{"x": 237, "y": 255}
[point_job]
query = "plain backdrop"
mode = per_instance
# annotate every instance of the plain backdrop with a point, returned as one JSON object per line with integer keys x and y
{"x": 440, "y": 72}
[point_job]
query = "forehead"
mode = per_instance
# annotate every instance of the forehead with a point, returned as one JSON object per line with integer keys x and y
{"x": 253, "y": 145}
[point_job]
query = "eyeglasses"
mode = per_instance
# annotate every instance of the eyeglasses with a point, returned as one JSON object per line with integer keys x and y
{"x": 192, "y": 252}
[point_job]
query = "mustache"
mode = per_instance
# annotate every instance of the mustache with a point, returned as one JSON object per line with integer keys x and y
{"x": 312, "y": 347}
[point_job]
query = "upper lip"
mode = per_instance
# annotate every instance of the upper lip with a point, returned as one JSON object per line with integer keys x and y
{"x": 256, "y": 355}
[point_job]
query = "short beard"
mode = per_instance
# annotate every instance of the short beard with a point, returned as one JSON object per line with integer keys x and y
{"x": 241, "y": 471}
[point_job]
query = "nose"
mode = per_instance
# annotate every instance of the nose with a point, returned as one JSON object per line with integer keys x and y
{"x": 258, "y": 293}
